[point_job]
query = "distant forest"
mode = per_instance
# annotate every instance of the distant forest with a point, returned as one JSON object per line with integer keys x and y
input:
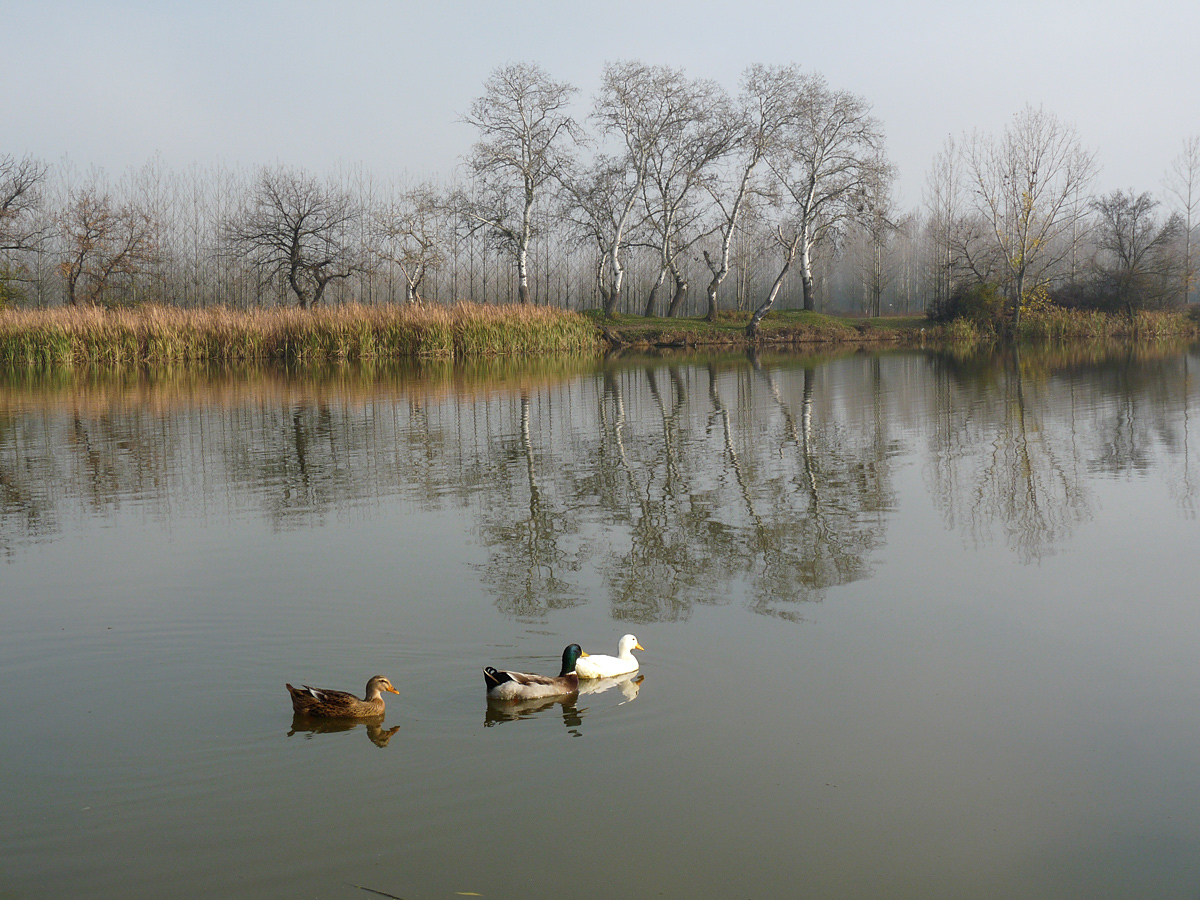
{"x": 670, "y": 197}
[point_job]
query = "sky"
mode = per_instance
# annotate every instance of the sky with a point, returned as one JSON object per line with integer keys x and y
{"x": 382, "y": 84}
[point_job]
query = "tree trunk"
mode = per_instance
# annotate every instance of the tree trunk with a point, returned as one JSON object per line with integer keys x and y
{"x": 1187, "y": 259}
{"x": 320, "y": 291}
{"x": 1017, "y": 303}
{"x": 72, "y": 284}
{"x": 612, "y": 299}
{"x": 602, "y": 288}
{"x": 681, "y": 289}
{"x": 714, "y": 284}
{"x": 789, "y": 255}
{"x": 523, "y": 263}
{"x": 522, "y": 276}
{"x": 806, "y": 286}
{"x": 662, "y": 276}
{"x": 876, "y": 280}
{"x": 414, "y": 292}
{"x": 294, "y": 283}
{"x": 806, "y": 278}
{"x": 711, "y": 293}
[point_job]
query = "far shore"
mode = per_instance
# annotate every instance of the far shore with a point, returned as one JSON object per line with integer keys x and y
{"x": 796, "y": 327}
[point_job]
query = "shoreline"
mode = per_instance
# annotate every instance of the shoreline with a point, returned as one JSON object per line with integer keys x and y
{"x": 66, "y": 337}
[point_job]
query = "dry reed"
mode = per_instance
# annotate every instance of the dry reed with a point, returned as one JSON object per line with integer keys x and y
{"x": 161, "y": 335}
{"x": 1056, "y": 323}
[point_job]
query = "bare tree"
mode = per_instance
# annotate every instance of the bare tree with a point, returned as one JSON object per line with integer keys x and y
{"x": 20, "y": 196}
{"x": 1183, "y": 183}
{"x": 298, "y": 229}
{"x": 828, "y": 159}
{"x": 1135, "y": 247}
{"x": 879, "y": 225}
{"x": 1026, "y": 187}
{"x": 762, "y": 109}
{"x": 599, "y": 200}
{"x": 524, "y": 132}
{"x": 943, "y": 203}
{"x": 21, "y": 225}
{"x": 410, "y": 233}
{"x": 102, "y": 243}
{"x": 634, "y": 108}
{"x": 696, "y": 130}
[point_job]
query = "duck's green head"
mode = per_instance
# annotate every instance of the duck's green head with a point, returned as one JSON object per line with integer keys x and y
{"x": 570, "y": 657}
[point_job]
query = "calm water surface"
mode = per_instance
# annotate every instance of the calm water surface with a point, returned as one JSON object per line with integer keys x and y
{"x": 915, "y": 627}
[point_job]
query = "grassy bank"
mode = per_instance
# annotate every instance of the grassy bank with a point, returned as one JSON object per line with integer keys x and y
{"x": 160, "y": 335}
{"x": 779, "y": 328}
{"x": 1057, "y": 324}
{"x": 153, "y": 335}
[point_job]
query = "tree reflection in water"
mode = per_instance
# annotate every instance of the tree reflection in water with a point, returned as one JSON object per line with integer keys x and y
{"x": 669, "y": 483}
{"x": 998, "y": 459}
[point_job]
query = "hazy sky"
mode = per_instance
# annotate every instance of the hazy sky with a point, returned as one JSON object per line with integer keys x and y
{"x": 319, "y": 85}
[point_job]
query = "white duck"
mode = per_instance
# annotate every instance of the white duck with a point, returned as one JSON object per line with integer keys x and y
{"x": 600, "y": 666}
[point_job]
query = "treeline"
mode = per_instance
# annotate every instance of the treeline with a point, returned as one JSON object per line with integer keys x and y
{"x": 671, "y": 196}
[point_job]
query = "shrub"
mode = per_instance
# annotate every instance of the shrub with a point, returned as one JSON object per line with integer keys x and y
{"x": 980, "y": 304}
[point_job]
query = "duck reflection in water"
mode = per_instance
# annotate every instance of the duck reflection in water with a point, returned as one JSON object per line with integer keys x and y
{"x": 628, "y": 684}
{"x": 512, "y": 710}
{"x": 311, "y": 726}
{"x": 627, "y": 687}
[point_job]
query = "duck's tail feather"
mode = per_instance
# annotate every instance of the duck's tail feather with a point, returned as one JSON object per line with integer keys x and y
{"x": 493, "y": 677}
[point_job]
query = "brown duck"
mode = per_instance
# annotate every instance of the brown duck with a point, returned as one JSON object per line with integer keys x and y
{"x": 309, "y": 701}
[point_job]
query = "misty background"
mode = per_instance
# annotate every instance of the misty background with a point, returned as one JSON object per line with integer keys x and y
{"x": 382, "y": 84}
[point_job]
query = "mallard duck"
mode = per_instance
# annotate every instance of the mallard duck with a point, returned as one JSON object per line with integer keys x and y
{"x": 503, "y": 685}
{"x": 600, "y": 666}
{"x": 308, "y": 701}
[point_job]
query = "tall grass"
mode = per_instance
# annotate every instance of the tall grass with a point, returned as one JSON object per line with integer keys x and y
{"x": 161, "y": 335}
{"x": 1056, "y": 323}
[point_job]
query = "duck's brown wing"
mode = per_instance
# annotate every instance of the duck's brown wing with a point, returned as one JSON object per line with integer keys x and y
{"x": 308, "y": 698}
{"x": 499, "y": 676}
{"x": 527, "y": 678}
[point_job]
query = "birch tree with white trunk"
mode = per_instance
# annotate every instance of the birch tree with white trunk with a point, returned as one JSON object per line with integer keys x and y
{"x": 525, "y": 137}
{"x": 828, "y": 159}
{"x": 760, "y": 112}
{"x": 600, "y": 200}
{"x": 410, "y": 233}
{"x": 632, "y": 111}
{"x": 697, "y": 130}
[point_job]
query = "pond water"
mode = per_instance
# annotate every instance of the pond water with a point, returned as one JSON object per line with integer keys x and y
{"x": 915, "y": 626}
